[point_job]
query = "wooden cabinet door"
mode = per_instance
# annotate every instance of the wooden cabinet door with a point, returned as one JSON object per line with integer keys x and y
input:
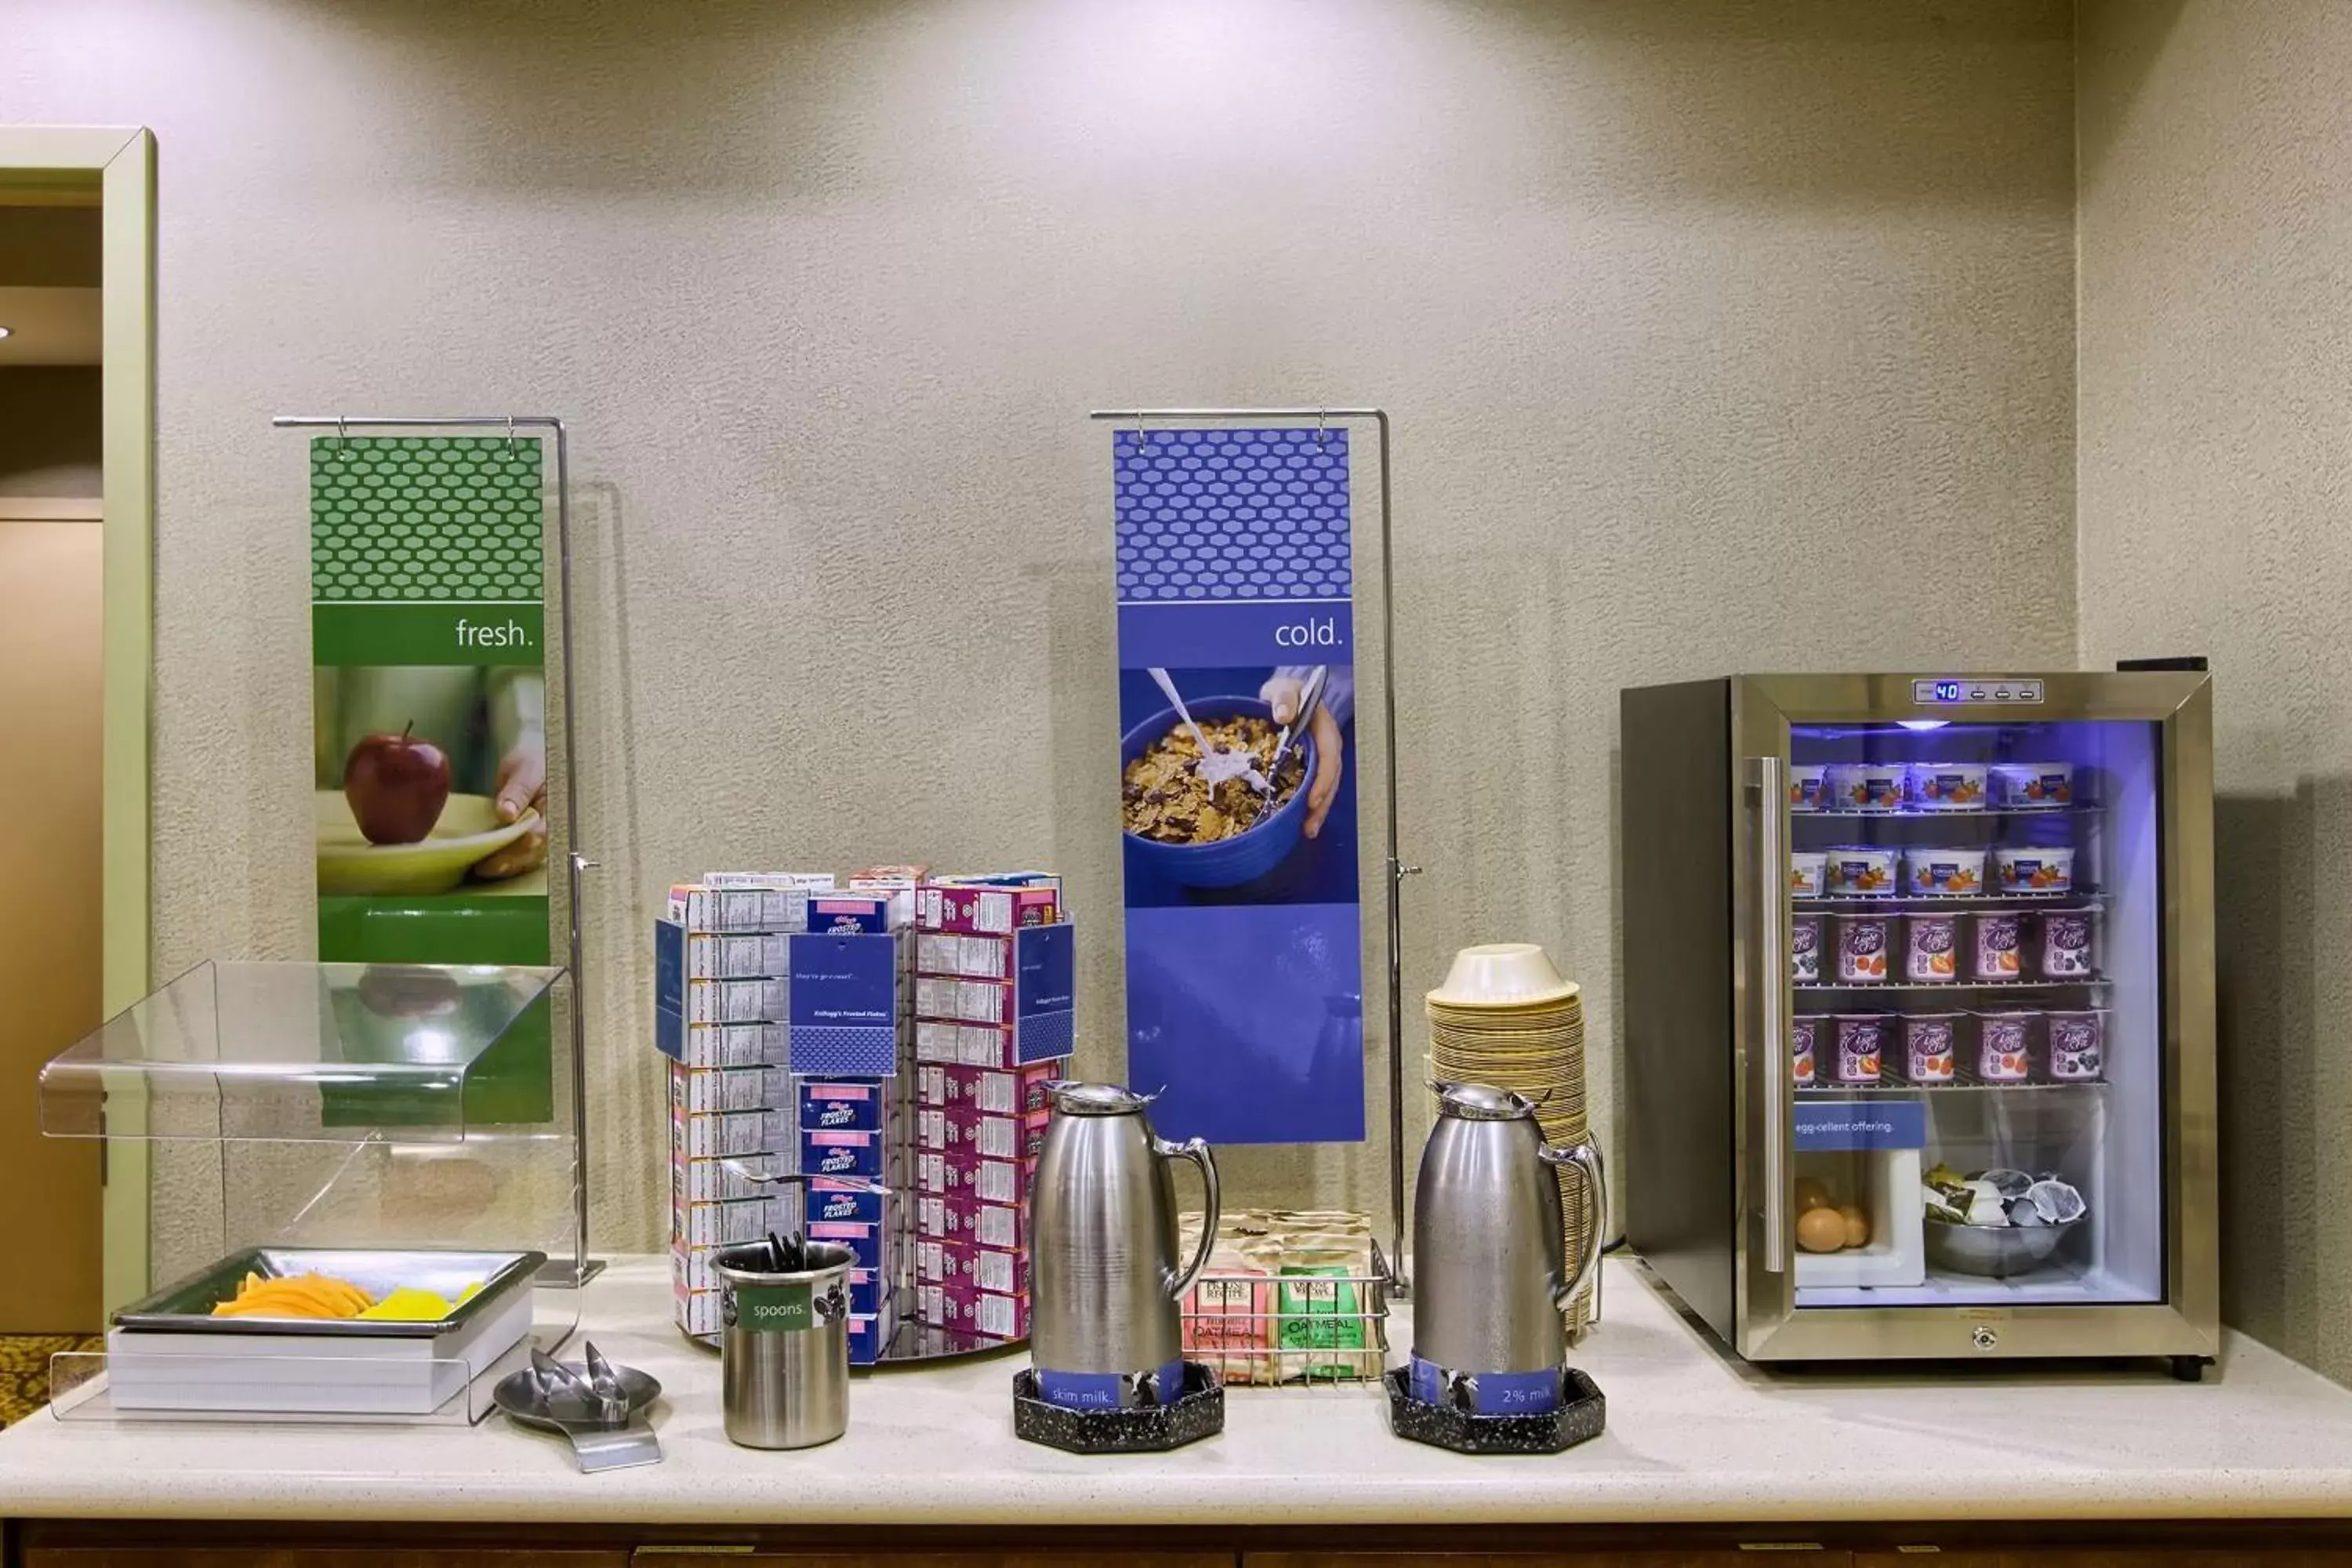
{"x": 1069, "y": 1559}
{"x": 2255, "y": 1556}
{"x": 1665, "y": 1558}
{"x": 265, "y": 1556}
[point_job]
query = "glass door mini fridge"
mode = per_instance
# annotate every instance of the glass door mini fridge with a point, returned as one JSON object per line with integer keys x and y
{"x": 1918, "y": 1012}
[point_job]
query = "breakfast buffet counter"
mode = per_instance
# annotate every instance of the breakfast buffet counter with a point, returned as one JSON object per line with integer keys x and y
{"x": 1692, "y": 1435}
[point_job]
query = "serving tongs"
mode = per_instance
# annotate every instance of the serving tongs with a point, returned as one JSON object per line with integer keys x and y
{"x": 1310, "y": 698}
{"x": 599, "y": 1407}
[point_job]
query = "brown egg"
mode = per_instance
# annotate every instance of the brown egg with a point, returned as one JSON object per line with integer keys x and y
{"x": 1820, "y": 1230}
{"x": 1811, "y": 1194}
{"x": 1858, "y": 1225}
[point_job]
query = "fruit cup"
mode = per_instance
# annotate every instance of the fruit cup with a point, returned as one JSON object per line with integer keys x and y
{"x": 1928, "y": 1051}
{"x": 1806, "y": 785}
{"x": 1859, "y": 870}
{"x": 1954, "y": 873}
{"x": 2034, "y": 867}
{"x": 1805, "y": 946}
{"x": 2032, "y": 786}
{"x": 1863, "y": 943}
{"x": 1864, "y": 786}
{"x": 1945, "y": 786}
{"x": 2005, "y": 1047}
{"x": 1807, "y": 868}
{"x": 1931, "y": 948}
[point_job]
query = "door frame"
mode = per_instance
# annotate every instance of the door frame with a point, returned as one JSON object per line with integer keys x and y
{"x": 113, "y": 168}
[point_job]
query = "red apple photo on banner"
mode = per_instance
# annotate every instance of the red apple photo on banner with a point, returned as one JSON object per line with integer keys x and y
{"x": 429, "y": 779}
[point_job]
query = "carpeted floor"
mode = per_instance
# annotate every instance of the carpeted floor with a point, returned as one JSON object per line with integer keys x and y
{"x": 24, "y": 1369}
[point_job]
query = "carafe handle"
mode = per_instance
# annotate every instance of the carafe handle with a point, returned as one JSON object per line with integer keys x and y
{"x": 1197, "y": 1151}
{"x": 1586, "y": 1158}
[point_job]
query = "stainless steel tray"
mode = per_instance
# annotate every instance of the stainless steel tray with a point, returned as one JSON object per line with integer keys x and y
{"x": 186, "y": 1306}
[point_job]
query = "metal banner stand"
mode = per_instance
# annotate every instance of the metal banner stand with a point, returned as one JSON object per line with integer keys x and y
{"x": 1397, "y": 869}
{"x": 577, "y": 1270}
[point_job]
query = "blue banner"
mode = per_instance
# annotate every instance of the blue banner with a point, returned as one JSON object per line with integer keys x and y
{"x": 1873, "y": 1121}
{"x": 1236, "y": 646}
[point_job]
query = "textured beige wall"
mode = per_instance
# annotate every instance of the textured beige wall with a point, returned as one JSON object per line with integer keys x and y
{"x": 1718, "y": 334}
{"x": 2216, "y": 479}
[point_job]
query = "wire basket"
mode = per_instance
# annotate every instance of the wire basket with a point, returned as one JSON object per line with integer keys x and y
{"x": 1272, "y": 1330}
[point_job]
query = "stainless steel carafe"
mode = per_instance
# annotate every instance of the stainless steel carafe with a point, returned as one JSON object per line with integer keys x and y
{"x": 1488, "y": 1279}
{"x": 1104, "y": 1279}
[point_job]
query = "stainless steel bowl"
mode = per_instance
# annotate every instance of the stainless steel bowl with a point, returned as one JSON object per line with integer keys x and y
{"x": 1995, "y": 1251}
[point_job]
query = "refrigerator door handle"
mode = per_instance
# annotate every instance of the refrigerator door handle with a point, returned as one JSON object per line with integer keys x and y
{"x": 1772, "y": 777}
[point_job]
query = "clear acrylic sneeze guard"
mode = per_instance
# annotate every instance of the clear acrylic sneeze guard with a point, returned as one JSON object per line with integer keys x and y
{"x": 389, "y": 1124}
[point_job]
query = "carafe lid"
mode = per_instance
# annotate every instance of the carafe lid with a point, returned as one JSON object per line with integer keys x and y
{"x": 1097, "y": 1098}
{"x": 1481, "y": 1102}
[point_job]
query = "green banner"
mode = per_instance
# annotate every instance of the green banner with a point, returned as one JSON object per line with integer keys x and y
{"x": 429, "y": 748}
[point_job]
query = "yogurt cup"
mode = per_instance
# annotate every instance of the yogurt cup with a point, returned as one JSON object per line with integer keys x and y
{"x": 1931, "y": 949}
{"x": 2033, "y": 787}
{"x": 2005, "y": 1047}
{"x": 2067, "y": 936}
{"x": 2078, "y": 1044}
{"x": 1805, "y": 933}
{"x": 1864, "y": 786}
{"x": 1858, "y": 870}
{"x": 1806, "y": 869}
{"x": 1806, "y": 786}
{"x": 1864, "y": 944}
{"x": 1804, "y": 1031}
{"x": 1861, "y": 1046}
{"x": 1945, "y": 786}
{"x": 1930, "y": 1046}
{"x": 1954, "y": 873}
{"x": 1999, "y": 947}
{"x": 2034, "y": 867}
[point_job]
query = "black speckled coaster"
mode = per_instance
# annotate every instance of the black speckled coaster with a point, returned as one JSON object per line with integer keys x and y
{"x": 1580, "y": 1418}
{"x": 1200, "y": 1412}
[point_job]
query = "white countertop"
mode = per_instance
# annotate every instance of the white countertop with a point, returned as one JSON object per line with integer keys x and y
{"x": 1692, "y": 1435}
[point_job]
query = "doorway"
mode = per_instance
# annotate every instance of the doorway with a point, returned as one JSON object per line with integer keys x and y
{"x": 52, "y": 517}
{"x": 76, "y": 489}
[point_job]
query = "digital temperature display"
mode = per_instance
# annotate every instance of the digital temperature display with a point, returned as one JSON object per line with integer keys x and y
{"x": 1983, "y": 689}
{"x": 1948, "y": 691}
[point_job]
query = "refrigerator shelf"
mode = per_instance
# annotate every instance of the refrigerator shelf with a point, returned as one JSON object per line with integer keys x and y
{"x": 1971, "y": 903}
{"x": 2087, "y": 980}
{"x": 1935, "y": 814}
{"x": 1964, "y": 1084}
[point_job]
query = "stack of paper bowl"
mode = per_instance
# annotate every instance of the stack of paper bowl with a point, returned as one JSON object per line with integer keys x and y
{"x": 1503, "y": 1017}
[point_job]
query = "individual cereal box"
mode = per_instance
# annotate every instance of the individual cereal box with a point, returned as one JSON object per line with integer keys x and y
{"x": 968, "y": 957}
{"x": 858, "y": 1202}
{"x": 1002, "y": 1091}
{"x": 967, "y": 1001}
{"x": 970, "y": 1178}
{"x": 729, "y": 1089}
{"x": 1023, "y": 1042}
{"x": 849, "y": 914}
{"x": 983, "y": 910}
{"x": 967, "y": 1130}
{"x": 870, "y": 1245}
{"x": 965, "y": 1219}
{"x": 763, "y": 1001}
{"x": 972, "y": 1311}
{"x": 844, "y": 1154}
{"x": 729, "y": 1224}
{"x": 1002, "y": 1272}
{"x": 719, "y": 1045}
{"x": 870, "y": 1334}
{"x": 729, "y": 1135}
{"x": 747, "y": 900}
{"x": 748, "y": 955}
{"x": 898, "y": 881}
{"x": 868, "y": 1289}
{"x": 845, "y": 1105}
